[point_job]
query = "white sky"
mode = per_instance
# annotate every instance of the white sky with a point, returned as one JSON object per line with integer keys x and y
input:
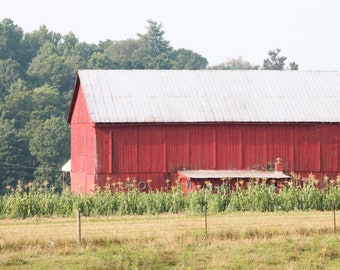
{"x": 306, "y": 31}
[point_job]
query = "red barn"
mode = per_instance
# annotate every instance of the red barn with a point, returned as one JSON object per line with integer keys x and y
{"x": 152, "y": 124}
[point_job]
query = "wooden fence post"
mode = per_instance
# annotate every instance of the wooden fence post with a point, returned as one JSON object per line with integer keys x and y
{"x": 205, "y": 212}
{"x": 79, "y": 227}
{"x": 334, "y": 210}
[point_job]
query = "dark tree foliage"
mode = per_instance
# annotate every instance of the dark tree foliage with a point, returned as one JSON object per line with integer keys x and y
{"x": 15, "y": 160}
{"x": 17, "y": 104}
{"x": 276, "y": 62}
{"x": 153, "y": 41}
{"x": 50, "y": 145}
{"x": 187, "y": 59}
{"x": 32, "y": 43}
{"x": 150, "y": 51}
{"x": 10, "y": 41}
{"x": 9, "y": 72}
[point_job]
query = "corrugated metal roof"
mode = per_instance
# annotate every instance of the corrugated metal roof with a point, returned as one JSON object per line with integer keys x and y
{"x": 241, "y": 174}
{"x": 137, "y": 96}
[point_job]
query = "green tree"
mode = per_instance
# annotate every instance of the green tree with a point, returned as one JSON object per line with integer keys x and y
{"x": 276, "y": 62}
{"x": 74, "y": 57}
{"x": 86, "y": 50}
{"x": 10, "y": 71}
{"x": 46, "y": 102}
{"x": 124, "y": 54}
{"x": 50, "y": 146}
{"x": 68, "y": 45}
{"x": 14, "y": 162}
{"x": 18, "y": 104}
{"x": 48, "y": 67}
{"x": 293, "y": 66}
{"x": 149, "y": 51}
{"x": 100, "y": 60}
{"x": 10, "y": 40}
{"x": 187, "y": 59}
{"x": 153, "y": 40}
{"x": 155, "y": 51}
{"x": 235, "y": 64}
{"x": 33, "y": 41}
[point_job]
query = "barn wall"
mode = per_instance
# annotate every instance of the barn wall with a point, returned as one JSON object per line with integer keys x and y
{"x": 82, "y": 148}
{"x": 159, "y": 151}
{"x": 330, "y": 147}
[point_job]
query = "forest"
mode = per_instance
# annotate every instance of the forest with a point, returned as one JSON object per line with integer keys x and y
{"x": 37, "y": 74}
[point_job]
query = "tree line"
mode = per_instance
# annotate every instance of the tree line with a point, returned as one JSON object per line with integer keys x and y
{"x": 37, "y": 73}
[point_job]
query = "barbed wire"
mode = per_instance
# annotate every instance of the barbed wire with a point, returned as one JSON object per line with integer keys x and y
{"x": 23, "y": 166}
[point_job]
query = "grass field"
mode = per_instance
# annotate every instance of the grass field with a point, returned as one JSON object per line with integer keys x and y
{"x": 279, "y": 240}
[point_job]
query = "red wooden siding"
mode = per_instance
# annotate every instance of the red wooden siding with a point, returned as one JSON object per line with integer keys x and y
{"x": 151, "y": 149}
{"x": 202, "y": 147}
{"x": 82, "y": 148}
{"x": 330, "y": 148}
{"x": 177, "y": 151}
{"x": 254, "y": 147}
{"x": 104, "y": 136}
{"x": 158, "y": 151}
{"x": 307, "y": 148}
{"x": 229, "y": 147}
{"x": 125, "y": 150}
{"x": 280, "y": 141}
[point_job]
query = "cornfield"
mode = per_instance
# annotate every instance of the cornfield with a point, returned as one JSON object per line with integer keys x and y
{"x": 41, "y": 200}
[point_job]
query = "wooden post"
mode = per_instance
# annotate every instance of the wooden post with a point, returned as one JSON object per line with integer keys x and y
{"x": 79, "y": 227}
{"x": 205, "y": 212}
{"x": 206, "y": 219}
{"x": 334, "y": 208}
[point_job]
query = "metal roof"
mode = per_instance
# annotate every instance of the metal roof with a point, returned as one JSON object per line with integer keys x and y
{"x": 184, "y": 96}
{"x": 241, "y": 174}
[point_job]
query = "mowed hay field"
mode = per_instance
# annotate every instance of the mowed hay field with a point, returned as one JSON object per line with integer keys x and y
{"x": 279, "y": 240}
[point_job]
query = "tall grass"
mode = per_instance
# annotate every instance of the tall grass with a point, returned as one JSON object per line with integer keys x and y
{"x": 34, "y": 199}
{"x": 278, "y": 240}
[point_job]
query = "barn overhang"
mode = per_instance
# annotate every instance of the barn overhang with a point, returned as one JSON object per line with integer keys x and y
{"x": 231, "y": 174}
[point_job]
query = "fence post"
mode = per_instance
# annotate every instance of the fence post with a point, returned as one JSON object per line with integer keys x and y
{"x": 79, "y": 226}
{"x": 334, "y": 211}
{"x": 205, "y": 212}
